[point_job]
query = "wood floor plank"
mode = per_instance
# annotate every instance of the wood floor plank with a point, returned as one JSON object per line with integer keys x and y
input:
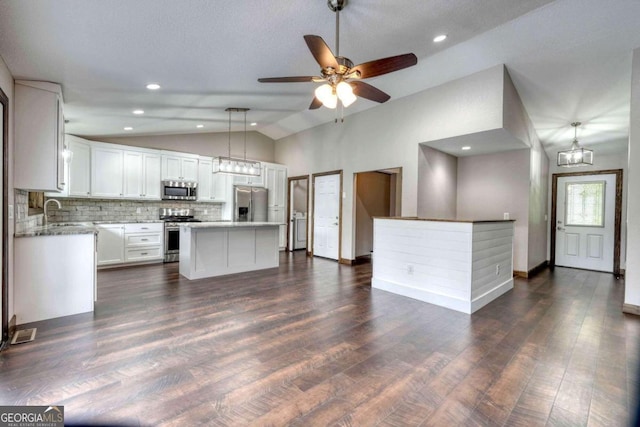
{"x": 311, "y": 343}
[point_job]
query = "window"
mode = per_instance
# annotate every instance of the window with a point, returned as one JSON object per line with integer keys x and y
{"x": 585, "y": 204}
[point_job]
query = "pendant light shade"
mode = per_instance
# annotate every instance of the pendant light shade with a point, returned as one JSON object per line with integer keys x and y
{"x": 576, "y": 155}
{"x": 233, "y": 165}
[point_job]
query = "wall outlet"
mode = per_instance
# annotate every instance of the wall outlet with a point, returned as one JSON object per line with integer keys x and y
{"x": 506, "y": 215}
{"x": 409, "y": 269}
{"x": 497, "y": 269}
{"x": 206, "y": 212}
{"x": 138, "y": 210}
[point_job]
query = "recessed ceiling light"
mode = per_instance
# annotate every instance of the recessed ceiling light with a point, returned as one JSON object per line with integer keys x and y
{"x": 439, "y": 38}
{"x": 153, "y": 86}
{"x": 138, "y": 112}
{"x": 199, "y": 126}
{"x": 254, "y": 124}
{"x": 465, "y": 148}
{"x": 128, "y": 128}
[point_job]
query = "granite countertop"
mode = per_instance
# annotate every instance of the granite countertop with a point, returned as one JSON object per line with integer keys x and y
{"x": 228, "y": 224}
{"x": 60, "y": 229}
{"x": 415, "y": 218}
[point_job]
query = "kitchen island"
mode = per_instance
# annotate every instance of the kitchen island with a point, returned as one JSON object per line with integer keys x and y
{"x": 459, "y": 264}
{"x": 209, "y": 249}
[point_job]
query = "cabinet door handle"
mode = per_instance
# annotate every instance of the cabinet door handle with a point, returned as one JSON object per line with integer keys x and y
{"x": 143, "y": 253}
{"x": 144, "y": 240}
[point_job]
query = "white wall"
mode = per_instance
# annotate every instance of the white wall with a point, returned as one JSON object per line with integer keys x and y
{"x": 388, "y": 136}
{"x": 489, "y": 186}
{"x": 259, "y": 146}
{"x": 6, "y": 84}
{"x": 437, "y": 184}
{"x": 632, "y": 279}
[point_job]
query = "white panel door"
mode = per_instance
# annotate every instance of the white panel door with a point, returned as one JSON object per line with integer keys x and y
{"x": 133, "y": 172}
{"x": 79, "y": 169}
{"x": 106, "y": 172}
{"x": 585, "y": 221}
{"x": 326, "y": 214}
{"x": 152, "y": 176}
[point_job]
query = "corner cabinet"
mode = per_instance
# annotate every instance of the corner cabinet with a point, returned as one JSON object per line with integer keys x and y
{"x": 276, "y": 183}
{"x": 39, "y": 136}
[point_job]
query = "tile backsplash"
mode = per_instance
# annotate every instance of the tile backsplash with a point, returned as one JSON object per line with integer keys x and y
{"x": 92, "y": 210}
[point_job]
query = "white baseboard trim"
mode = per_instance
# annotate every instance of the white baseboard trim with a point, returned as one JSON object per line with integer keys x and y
{"x": 489, "y": 296}
{"x": 631, "y": 309}
{"x": 443, "y": 300}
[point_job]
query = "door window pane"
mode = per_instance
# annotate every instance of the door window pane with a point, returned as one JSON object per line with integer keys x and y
{"x": 585, "y": 204}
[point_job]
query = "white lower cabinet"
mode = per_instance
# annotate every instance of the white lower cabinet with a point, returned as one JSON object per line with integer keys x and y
{"x": 110, "y": 244}
{"x": 143, "y": 242}
{"x": 128, "y": 243}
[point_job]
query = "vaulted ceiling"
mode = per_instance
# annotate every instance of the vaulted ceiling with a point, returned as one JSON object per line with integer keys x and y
{"x": 569, "y": 59}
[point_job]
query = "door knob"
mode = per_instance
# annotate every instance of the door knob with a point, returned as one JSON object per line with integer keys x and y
{"x": 560, "y": 228}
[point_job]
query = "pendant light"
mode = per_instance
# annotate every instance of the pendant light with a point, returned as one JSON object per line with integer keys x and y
{"x": 234, "y": 165}
{"x": 576, "y": 155}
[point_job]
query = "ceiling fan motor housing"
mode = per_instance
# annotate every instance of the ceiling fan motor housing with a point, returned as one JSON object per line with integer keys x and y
{"x": 336, "y": 5}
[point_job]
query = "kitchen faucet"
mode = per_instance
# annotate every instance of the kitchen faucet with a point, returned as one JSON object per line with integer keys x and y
{"x": 44, "y": 219}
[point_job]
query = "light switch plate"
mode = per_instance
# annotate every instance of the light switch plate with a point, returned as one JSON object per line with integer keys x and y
{"x": 10, "y": 211}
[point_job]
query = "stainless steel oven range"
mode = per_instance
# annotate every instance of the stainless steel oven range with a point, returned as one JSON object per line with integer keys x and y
{"x": 172, "y": 218}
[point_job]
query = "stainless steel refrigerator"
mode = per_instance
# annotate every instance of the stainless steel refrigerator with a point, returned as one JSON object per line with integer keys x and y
{"x": 250, "y": 204}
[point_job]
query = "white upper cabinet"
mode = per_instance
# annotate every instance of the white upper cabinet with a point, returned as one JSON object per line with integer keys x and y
{"x": 212, "y": 187}
{"x": 204, "y": 179}
{"x": 39, "y": 136}
{"x": 107, "y": 166}
{"x": 79, "y": 167}
{"x": 141, "y": 177}
{"x": 255, "y": 181}
{"x": 179, "y": 167}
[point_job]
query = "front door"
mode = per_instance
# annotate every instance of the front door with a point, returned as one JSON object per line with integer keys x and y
{"x": 585, "y": 222}
{"x": 326, "y": 214}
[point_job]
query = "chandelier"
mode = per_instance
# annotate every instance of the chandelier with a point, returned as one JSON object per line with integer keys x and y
{"x": 235, "y": 165}
{"x": 576, "y": 155}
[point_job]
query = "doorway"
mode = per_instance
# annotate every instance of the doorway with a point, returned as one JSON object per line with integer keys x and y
{"x": 298, "y": 213}
{"x": 4, "y": 294}
{"x": 327, "y": 215}
{"x": 586, "y": 213}
{"x": 376, "y": 194}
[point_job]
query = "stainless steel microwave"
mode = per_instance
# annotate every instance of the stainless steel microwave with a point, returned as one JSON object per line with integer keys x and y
{"x": 179, "y": 190}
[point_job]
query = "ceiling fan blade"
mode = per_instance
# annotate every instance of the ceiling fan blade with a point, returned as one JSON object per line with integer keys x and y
{"x": 296, "y": 79}
{"x": 315, "y": 104}
{"x": 321, "y": 52}
{"x": 385, "y": 65}
{"x": 365, "y": 90}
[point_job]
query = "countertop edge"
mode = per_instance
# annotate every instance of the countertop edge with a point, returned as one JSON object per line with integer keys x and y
{"x": 472, "y": 221}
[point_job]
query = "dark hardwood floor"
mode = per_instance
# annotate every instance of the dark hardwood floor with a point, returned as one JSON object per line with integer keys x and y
{"x": 310, "y": 343}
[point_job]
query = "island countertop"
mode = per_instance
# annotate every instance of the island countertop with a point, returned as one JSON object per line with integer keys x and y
{"x": 228, "y": 224}
{"x": 415, "y": 218}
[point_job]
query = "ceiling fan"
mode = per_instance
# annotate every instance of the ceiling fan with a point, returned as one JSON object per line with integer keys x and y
{"x": 342, "y": 80}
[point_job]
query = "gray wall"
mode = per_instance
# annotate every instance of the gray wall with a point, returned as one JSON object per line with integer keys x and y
{"x": 259, "y": 147}
{"x": 489, "y": 186}
{"x": 437, "y": 184}
{"x": 300, "y": 194}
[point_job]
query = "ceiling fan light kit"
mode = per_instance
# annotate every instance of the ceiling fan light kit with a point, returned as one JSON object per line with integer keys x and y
{"x": 576, "y": 155}
{"x": 233, "y": 165}
{"x": 341, "y": 79}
